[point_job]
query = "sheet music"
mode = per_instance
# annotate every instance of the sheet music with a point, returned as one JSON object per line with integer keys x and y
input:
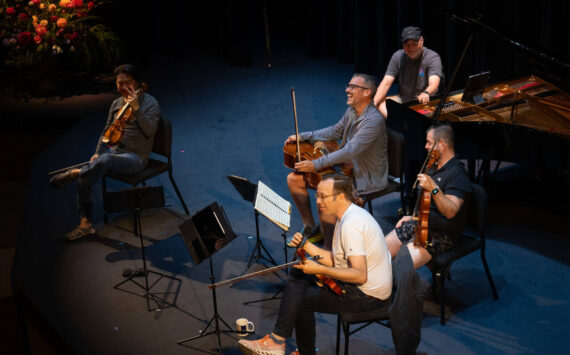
{"x": 273, "y": 206}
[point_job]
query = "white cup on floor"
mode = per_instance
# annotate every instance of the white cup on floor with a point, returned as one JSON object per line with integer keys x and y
{"x": 243, "y": 327}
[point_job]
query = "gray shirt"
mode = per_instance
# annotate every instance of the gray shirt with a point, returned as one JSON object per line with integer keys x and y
{"x": 363, "y": 141}
{"x": 413, "y": 75}
{"x": 138, "y": 135}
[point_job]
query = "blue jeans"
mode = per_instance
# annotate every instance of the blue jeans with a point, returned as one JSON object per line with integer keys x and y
{"x": 116, "y": 160}
{"x": 302, "y": 297}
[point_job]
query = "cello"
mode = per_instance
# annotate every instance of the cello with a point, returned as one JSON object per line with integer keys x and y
{"x": 423, "y": 204}
{"x": 295, "y": 152}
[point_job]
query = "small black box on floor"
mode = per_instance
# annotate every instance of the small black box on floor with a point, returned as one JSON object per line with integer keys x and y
{"x": 206, "y": 232}
{"x": 127, "y": 200}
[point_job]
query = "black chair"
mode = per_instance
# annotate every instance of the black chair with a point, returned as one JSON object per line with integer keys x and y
{"x": 403, "y": 314}
{"x": 473, "y": 238}
{"x": 395, "y": 169}
{"x": 163, "y": 147}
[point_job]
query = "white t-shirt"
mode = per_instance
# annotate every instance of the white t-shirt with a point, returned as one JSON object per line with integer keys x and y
{"x": 358, "y": 233}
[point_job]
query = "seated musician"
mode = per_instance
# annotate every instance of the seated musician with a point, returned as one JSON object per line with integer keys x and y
{"x": 130, "y": 155}
{"x": 417, "y": 68}
{"x": 362, "y": 131}
{"x": 450, "y": 189}
{"x": 359, "y": 260}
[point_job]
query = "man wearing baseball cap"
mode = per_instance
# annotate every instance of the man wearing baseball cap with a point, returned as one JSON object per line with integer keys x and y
{"x": 417, "y": 68}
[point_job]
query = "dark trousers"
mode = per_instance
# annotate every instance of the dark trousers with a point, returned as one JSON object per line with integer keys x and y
{"x": 302, "y": 297}
{"x": 123, "y": 162}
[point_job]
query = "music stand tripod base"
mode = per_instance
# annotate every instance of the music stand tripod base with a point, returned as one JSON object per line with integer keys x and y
{"x": 134, "y": 199}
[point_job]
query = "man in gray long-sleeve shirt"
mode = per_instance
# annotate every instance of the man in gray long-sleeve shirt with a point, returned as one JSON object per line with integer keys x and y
{"x": 128, "y": 156}
{"x": 362, "y": 132}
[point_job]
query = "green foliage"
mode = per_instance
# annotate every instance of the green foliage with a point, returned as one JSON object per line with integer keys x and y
{"x": 39, "y": 31}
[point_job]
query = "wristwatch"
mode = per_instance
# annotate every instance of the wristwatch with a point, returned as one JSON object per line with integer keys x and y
{"x": 435, "y": 191}
{"x": 426, "y": 92}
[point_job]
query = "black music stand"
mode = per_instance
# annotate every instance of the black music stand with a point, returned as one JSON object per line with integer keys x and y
{"x": 203, "y": 234}
{"x": 248, "y": 191}
{"x": 134, "y": 200}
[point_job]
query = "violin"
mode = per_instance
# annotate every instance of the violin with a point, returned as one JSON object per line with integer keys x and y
{"x": 298, "y": 151}
{"x": 321, "y": 279}
{"x": 114, "y": 134}
{"x": 423, "y": 204}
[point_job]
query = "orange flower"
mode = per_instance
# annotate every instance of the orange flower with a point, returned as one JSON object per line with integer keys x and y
{"x": 41, "y": 30}
{"x": 65, "y": 3}
{"x": 44, "y": 22}
{"x": 52, "y": 7}
{"x": 61, "y": 22}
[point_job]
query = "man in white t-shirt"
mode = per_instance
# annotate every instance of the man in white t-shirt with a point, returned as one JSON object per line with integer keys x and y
{"x": 359, "y": 260}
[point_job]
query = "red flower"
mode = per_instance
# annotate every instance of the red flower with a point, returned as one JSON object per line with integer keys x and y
{"x": 76, "y": 3}
{"x": 74, "y": 36}
{"x": 90, "y": 5}
{"x": 10, "y": 11}
{"x": 34, "y": 2}
{"x": 38, "y": 39}
{"x": 81, "y": 14}
{"x": 23, "y": 17}
{"x": 24, "y": 38}
{"x": 41, "y": 30}
{"x": 53, "y": 19}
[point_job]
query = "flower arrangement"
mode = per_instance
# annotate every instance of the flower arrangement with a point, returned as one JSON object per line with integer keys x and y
{"x": 34, "y": 30}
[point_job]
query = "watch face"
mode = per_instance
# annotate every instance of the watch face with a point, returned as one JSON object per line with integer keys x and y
{"x": 434, "y": 191}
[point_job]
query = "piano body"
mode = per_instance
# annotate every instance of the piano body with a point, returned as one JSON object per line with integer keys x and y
{"x": 526, "y": 121}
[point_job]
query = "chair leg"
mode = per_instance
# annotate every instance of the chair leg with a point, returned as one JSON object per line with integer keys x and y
{"x": 338, "y": 321}
{"x": 346, "y": 327}
{"x": 442, "y": 299}
{"x": 178, "y": 192}
{"x": 489, "y": 276}
{"x": 104, "y": 185}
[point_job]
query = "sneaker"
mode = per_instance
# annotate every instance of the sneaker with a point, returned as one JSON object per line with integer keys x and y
{"x": 79, "y": 232}
{"x": 315, "y": 236}
{"x": 63, "y": 179}
{"x": 264, "y": 346}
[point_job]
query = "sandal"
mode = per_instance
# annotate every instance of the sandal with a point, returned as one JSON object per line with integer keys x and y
{"x": 79, "y": 232}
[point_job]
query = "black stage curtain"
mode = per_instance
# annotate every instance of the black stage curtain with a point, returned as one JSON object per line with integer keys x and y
{"x": 363, "y": 32}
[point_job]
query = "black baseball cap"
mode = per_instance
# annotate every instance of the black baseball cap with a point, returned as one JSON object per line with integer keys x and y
{"x": 411, "y": 32}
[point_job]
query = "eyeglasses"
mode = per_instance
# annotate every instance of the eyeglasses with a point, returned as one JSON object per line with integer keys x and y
{"x": 322, "y": 197}
{"x": 353, "y": 86}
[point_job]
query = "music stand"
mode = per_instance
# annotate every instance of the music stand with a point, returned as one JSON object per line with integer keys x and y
{"x": 474, "y": 87}
{"x": 203, "y": 234}
{"x": 248, "y": 192}
{"x": 273, "y": 207}
{"x": 134, "y": 200}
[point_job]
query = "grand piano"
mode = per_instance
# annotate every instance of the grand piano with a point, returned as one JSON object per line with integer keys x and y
{"x": 524, "y": 120}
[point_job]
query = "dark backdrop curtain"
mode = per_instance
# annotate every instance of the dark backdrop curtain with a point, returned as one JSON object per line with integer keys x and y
{"x": 363, "y": 32}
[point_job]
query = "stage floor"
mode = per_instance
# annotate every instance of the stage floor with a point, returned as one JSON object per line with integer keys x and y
{"x": 231, "y": 120}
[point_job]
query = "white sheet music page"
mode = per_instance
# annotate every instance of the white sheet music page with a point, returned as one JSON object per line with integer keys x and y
{"x": 273, "y": 206}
